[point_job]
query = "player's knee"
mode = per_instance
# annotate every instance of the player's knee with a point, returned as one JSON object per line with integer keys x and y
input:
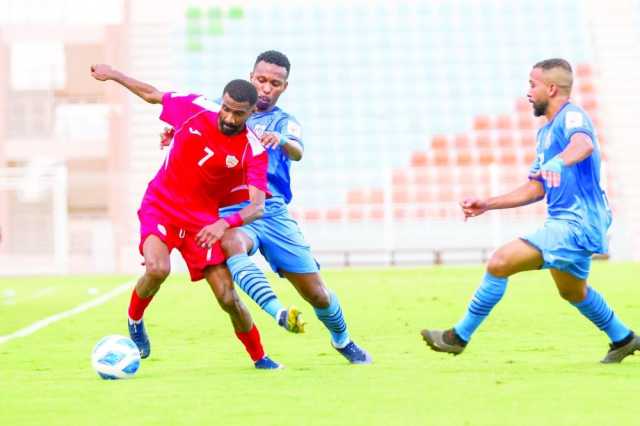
{"x": 232, "y": 244}
{"x": 157, "y": 270}
{"x": 573, "y": 295}
{"x": 498, "y": 266}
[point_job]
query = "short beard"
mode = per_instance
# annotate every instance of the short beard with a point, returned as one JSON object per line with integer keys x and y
{"x": 229, "y": 130}
{"x": 540, "y": 109}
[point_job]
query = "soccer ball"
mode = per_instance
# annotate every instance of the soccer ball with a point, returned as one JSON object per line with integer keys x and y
{"x": 115, "y": 357}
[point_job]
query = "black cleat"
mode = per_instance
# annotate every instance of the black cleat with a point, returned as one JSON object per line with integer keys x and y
{"x": 444, "y": 341}
{"x": 621, "y": 350}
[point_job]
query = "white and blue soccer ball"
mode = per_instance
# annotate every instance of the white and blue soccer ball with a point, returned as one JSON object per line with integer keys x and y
{"x": 115, "y": 357}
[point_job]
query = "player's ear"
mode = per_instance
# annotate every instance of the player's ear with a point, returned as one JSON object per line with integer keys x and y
{"x": 552, "y": 90}
{"x": 286, "y": 84}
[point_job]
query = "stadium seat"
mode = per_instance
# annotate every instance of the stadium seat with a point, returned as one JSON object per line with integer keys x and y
{"x": 334, "y": 215}
{"x": 481, "y": 122}
{"x": 419, "y": 159}
{"x": 312, "y": 215}
{"x": 356, "y": 196}
{"x": 439, "y": 142}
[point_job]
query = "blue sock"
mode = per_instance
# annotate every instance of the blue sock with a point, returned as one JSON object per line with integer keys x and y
{"x": 253, "y": 282}
{"x": 596, "y": 309}
{"x": 487, "y": 295}
{"x": 332, "y": 318}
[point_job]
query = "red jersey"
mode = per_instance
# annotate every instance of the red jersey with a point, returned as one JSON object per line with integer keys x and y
{"x": 202, "y": 165}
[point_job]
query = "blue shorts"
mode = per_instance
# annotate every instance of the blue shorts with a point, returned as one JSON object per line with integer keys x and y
{"x": 558, "y": 242}
{"x": 279, "y": 239}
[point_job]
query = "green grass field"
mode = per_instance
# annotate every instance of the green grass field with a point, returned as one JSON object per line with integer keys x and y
{"x": 533, "y": 362}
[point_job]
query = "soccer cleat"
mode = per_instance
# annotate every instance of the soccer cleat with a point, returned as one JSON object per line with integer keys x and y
{"x": 266, "y": 363}
{"x": 291, "y": 320}
{"x": 139, "y": 336}
{"x": 620, "y": 351}
{"x": 444, "y": 341}
{"x": 355, "y": 354}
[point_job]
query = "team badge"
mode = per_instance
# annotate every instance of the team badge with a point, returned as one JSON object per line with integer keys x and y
{"x": 231, "y": 161}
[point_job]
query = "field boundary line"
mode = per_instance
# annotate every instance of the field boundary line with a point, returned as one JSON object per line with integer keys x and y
{"x": 45, "y": 322}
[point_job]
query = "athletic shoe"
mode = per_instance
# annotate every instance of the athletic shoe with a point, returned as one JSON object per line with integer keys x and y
{"x": 266, "y": 363}
{"x": 444, "y": 341}
{"x": 355, "y": 354}
{"x": 621, "y": 350}
{"x": 139, "y": 336}
{"x": 291, "y": 320}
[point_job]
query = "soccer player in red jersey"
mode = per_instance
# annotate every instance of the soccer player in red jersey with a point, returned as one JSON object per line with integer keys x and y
{"x": 212, "y": 155}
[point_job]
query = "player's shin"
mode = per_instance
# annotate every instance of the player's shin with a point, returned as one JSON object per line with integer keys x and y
{"x": 485, "y": 298}
{"x": 254, "y": 283}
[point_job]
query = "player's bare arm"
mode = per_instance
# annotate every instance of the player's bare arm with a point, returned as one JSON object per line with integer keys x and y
{"x": 271, "y": 140}
{"x": 255, "y": 209}
{"x": 150, "y": 94}
{"x": 528, "y": 193}
{"x": 208, "y": 235}
{"x": 580, "y": 147}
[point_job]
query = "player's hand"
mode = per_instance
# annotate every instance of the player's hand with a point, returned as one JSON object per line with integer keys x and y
{"x": 102, "y": 72}
{"x": 166, "y": 136}
{"x": 472, "y": 207}
{"x": 208, "y": 235}
{"x": 270, "y": 140}
{"x": 552, "y": 170}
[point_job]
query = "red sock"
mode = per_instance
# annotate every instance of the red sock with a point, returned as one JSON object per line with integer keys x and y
{"x": 251, "y": 342}
{"x": 137, "y": 305}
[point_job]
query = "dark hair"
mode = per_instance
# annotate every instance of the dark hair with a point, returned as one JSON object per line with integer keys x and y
{"x": 548, "y": 64}
{"x": 241, "y": 91}
{"x": 274, "y": 57}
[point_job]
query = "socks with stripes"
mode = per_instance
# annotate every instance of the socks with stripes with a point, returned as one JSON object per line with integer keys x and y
{"x": 333, "y": 320}
{"x": 254, "y": 283}
{"x": 486, "y": 297}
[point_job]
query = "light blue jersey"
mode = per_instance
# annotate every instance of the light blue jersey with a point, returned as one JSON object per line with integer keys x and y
{"x": 579, "y": 200}
{"x": 277, "y": 234}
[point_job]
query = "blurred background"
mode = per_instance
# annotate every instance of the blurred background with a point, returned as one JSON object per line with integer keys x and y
{"x": 406, "y": 107}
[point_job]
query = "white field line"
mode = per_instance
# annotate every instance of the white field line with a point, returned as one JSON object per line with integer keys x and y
{"x": 45, "y": 322}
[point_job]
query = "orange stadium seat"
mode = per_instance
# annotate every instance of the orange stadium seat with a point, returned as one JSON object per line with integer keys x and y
{"x": 355, "y": 214}
{"x": 419, "y": 159}
{"x": 356, "y": 196}
{"x": 525, "y": 121}
{"x": 508, "y": 157}
{"x": 529, "y": 157}
{"x": 439, "y": 142}
{"x": 376, "y": 196}
{"x": 486, "y": 157}
{"x": 400, "y": 213}
{"x": 376, "y": 213}
{"x": 461, "y": 142}
{"x": 584, "y": 71}
{"x": 464, "y": 158}
{"x": 423, "y": 196}
{"x": 481, "y": 122}
{"x": 400, "y": 195}
{"x": 528, "y": 140}
{"x": 483, "y": 141}
{"x": 334, "y": 215}
{"x": 441, "y": 157}
{"x": 421, "y": 176}
{"x": 504, "y": 122}
{"x": 586, "y": 87}
{"x": 312, "y": 215}
{"x": 399, "y": 177}
{"x": 505, "y": 139}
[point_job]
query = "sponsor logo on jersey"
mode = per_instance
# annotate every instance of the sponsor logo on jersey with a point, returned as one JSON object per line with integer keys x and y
{"x": 195, "y": 131}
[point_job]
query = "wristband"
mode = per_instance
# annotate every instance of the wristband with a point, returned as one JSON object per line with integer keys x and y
{"x": 234, "y": 220}
{"x": 554, "y": 165}
{"x": 282, "y": 140}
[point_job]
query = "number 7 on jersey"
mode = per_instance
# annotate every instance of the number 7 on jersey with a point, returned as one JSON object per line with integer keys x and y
{"x": 208, "y": 154}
